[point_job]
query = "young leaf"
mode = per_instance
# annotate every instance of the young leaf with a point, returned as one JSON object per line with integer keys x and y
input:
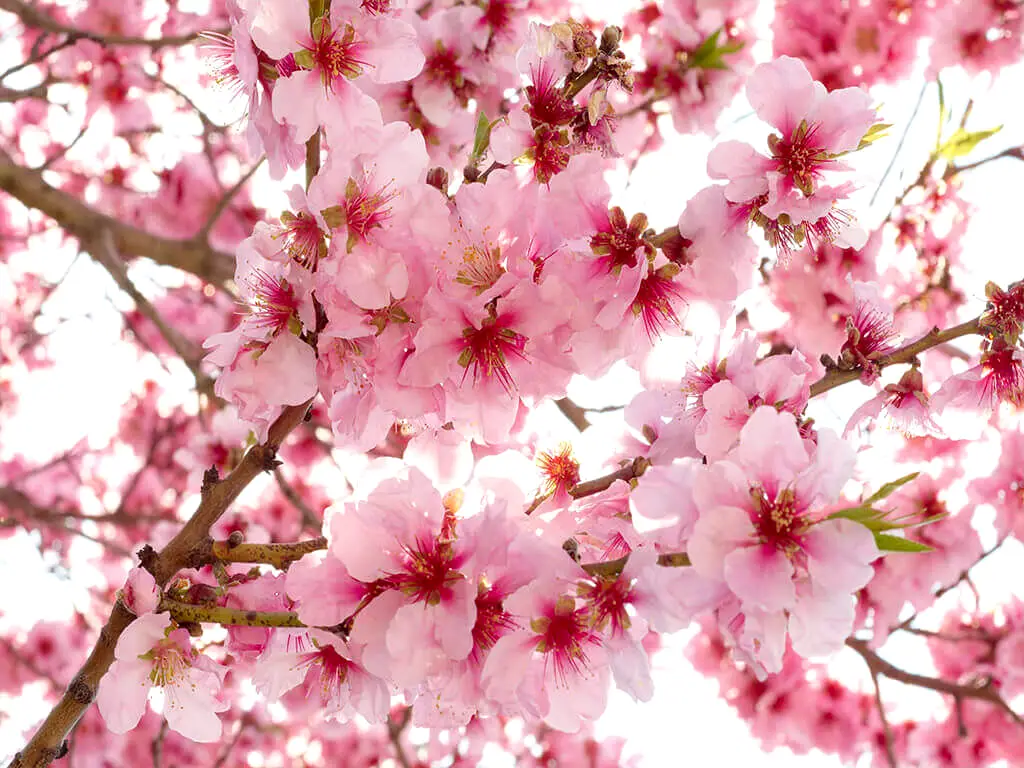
{"x": 887, "y": 543}
{"x": 963, "y": 142}
{"x": 889, "y": 488}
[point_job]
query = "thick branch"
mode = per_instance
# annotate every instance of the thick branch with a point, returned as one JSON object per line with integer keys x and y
{"x": 186, "y": 613}
{"x": 179, "y": 553}
{"x": 81, "y": 221}
{"x": 37, "y": 19}
{"x": 278, "y": 555}
{"x": 904, "y": 354}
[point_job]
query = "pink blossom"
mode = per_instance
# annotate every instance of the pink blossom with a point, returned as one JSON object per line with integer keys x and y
{"x": 785, "y": 193}
{"x": 759, "y": 532}
{"x": 140, "y": 593}
{"x": 149, "y": 653}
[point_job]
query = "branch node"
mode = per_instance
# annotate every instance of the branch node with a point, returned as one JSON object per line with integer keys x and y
{"x": 147, "y": 558}
{"x": 269, "y": 461}
{"x": 81, "y": 691}
{"x": 210, "y": 478}
{"x": 237, "y": 538}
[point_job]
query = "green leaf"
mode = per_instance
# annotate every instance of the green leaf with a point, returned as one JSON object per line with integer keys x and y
{"x": 858, "y": 514}
{"x": 482, "y": 138}
{"x": 709, "y": 53}
{"x": 963, "y": 142}
{"x": 889, "y": 488}
{"x": 888, "y": 543}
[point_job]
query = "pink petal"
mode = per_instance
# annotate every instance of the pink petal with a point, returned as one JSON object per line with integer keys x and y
{"x": 760, "y": 576}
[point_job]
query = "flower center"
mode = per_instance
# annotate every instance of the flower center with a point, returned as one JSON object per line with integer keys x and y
{"x": 336, "y": 57}
{"x": 430, "y": 571}
{"x": 169, "y": 663}
{"x": 797, "y": 156}
{"x": 273, "y": 302}
{"x": 328, "y": 667}
{"x": 303, "y": 240}
{"x": 492, "y": 621}
{"x": 486, "y": 351}
{"x": 778, "y": 521}
{"x": 564, "y": 638}
{"x": 561, "y": 470}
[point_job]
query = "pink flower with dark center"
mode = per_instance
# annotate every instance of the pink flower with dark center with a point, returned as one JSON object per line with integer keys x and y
{"x": 904, "y": 405}
{"x": 303, "y": 240}
{"x": 870, "y": 332}
{"x": 487, "y": 350}
{"x": 1004, "y": 313}
{"x": 561, "y": 471}
{"x": 492, "y": 621}
{"x": 546, "y": 102}
{"x": 999, "y": 378}
{"x": 335, "y": 52}
{"x": 618, "y": 243}
{"x": 656, "y": 301}
{"x": 272, "y": 302}
{"x": 328, "y": 670}
{"x": 367, "y": 207}
{"x": 564, "y": 636}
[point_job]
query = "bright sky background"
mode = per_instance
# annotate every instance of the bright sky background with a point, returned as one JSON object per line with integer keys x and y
{"x": 687, "y": 723}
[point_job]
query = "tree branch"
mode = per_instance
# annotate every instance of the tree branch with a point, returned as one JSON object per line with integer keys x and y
{"x": 983, "y": 692}
{"x": 905, "y": 354}
{"x": 33, "y": 17}
{"x": 278, "y": 555}
{"x": 46, "y": 744}
{"x": 82, "y": 221}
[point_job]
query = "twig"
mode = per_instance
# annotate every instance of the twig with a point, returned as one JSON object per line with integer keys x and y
{"x": 632, "y": 470}
{"x": 225, "y": 201}
{"x": 899, "y": 146}
{"x": 985, "y": 691}
{"x": 573, "y": 413}
{"x": 158, "y": 744}
{"x": 905, "y": 354}
{"x": 890, "y": 747}
{"x": 103, "y": 251}
{"x": 278, "y": 555}
{"x": 395, "y": 735}
{"x": 309, "y": 517}
{"x": 1015, "y": 152}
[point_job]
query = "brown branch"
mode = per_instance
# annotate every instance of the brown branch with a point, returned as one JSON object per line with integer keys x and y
{"x": 47, "y": 742}
{"x": 985, "y": 691}
{"x": 905, "y": 354}
{"x": 309, "y": 517}
{"x": 225, "y": 200}
{"x": 395, "y": 728}
{"x": 102, "y": 250}
{"x": 187, "y": 613}
{"x": 278, "y": 555}
{"x": 37, "y": 19}
{"x": 573, "y": 413}
{"x": 632, "y": 470}
{"x": 82, "y": 221}
{"x": 890, "y": 747}
{"x": 610, "y": 568}
{"x": 1014, "y": 152}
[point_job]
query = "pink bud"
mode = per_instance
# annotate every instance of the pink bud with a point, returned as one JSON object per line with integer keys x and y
{"x": 140, "y": 594}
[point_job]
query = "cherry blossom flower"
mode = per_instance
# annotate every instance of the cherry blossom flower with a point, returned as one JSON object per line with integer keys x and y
{"x": 150, "y": 654}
